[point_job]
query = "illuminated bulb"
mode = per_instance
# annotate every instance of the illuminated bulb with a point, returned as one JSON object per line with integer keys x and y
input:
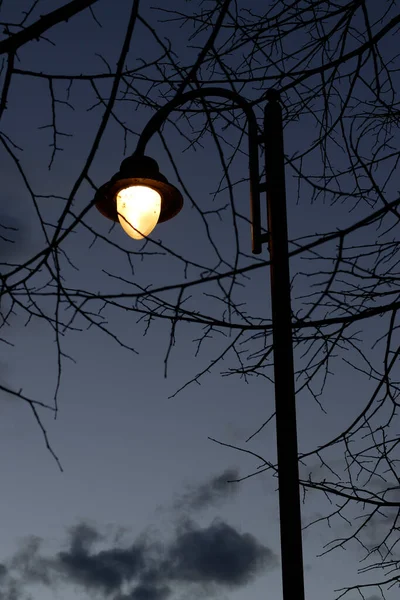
{"x": 138, "y": 209}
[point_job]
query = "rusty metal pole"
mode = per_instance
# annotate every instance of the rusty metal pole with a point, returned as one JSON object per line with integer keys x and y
{"x": 285, "y": 400}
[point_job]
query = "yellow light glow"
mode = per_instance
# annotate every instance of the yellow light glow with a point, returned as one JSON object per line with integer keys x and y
{"x": 138, "y": 210}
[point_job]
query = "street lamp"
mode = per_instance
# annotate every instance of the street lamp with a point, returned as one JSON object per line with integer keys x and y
{"x": 120, "y": 200}
{"x": 138, "y": 196}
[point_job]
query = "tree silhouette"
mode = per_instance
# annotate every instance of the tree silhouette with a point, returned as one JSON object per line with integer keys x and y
{"x": 336, "y": 67}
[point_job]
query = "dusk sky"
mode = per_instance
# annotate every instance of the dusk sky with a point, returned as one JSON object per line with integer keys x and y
{"x": 143, "y": 506}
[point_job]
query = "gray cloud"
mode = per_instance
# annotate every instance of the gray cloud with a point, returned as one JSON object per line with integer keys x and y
{"x": 217, "y": 554}
{"x": 10, "y": 587}
{"x": 30, "y": 565}
{"x": 145, "y": 591}
{"x": 105, "y": 570}
{"x": 209, "y": 493}
{"x": 209, "y": 558}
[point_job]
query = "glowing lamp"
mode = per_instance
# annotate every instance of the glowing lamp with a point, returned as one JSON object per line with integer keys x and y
{"x": 138, "y": 209}
{"x": 138, "y": 197}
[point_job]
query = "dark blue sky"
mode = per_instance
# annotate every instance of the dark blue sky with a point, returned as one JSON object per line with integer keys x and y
{"x": 141, "y": 509}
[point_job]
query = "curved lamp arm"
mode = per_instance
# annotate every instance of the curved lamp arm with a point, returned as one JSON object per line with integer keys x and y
{"x": 155, "y": 123}
{"x": 285, "y": 394}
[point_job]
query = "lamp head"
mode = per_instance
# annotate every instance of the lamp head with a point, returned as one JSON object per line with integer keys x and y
{"x": 138, "y": 196}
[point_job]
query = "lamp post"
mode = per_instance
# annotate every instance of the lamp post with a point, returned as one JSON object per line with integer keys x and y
{"x": 121, "y": 200}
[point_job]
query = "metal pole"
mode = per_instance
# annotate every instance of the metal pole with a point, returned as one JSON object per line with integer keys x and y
{"x": 286, "y": 431}
{"x": 285, "y": 401}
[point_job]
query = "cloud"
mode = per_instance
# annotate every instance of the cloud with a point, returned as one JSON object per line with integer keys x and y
{"x": 105, "y": 570}
{"x": 10, "y": 588}
{"x": 209, "y": 493}
{"x": 205, "y": 558}
{"x": 217, "y": 554}
{"x": 146, "y": 591}
{"x": 31, "y": 566}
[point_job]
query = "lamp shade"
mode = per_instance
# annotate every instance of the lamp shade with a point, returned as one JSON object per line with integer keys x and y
{"x": 138, "y": 197}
